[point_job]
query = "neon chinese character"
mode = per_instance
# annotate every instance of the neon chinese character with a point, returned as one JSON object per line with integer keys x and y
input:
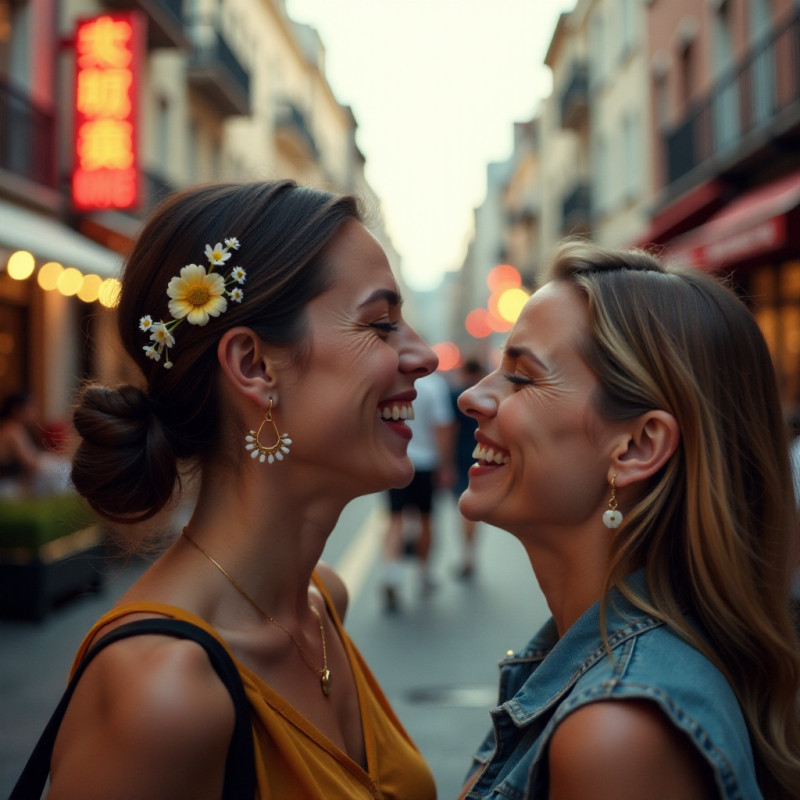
{"x": 104, "y": 92}
{"x": 105, "y": 143}
{"x": 104, "y": 43}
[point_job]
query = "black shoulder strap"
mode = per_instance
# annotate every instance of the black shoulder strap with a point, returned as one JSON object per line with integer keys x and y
{"x": 240, "y": 776}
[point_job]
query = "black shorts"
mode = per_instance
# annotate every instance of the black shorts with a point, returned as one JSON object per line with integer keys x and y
{"x": 418, "y": 494}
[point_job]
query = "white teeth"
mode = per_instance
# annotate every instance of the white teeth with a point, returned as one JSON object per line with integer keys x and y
{"x": 489, "y": 455}
{"x": 396, "y": 412}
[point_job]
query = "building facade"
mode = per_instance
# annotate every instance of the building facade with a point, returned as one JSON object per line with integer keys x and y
{"x": 214, "y": 90}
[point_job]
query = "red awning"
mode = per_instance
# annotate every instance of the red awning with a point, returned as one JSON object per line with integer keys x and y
{"x": 752, "y": 225}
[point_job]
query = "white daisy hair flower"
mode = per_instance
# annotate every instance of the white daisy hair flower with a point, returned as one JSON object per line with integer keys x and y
{"x": 196, "y": 295}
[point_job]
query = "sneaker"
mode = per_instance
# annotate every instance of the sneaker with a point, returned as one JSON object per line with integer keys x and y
{"x": 391, "y": 602}
{"x": 427, "y": 586}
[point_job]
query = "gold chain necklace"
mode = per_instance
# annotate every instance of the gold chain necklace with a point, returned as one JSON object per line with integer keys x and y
{"x": 325, "y": 678}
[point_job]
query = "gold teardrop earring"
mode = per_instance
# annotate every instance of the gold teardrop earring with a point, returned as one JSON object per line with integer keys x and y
{"x": 263, "y": 452}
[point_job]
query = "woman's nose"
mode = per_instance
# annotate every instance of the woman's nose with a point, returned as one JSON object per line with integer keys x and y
{"x": 478, "y": 399}
{"x": 416, "y": 356}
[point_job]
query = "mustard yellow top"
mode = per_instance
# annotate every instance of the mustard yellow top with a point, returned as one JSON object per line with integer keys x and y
{"x": 295, "y": 760}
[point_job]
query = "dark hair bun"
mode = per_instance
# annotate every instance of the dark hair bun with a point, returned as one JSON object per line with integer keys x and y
{"x": 125, "y": 466}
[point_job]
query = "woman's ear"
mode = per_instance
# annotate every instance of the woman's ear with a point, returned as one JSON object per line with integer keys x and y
{"x": 649, "y": 442}
{"x": 248, "y": 364}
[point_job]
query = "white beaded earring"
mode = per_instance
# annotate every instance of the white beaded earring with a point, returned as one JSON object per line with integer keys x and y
{"x": 611, "y": 517}
{"x": 264, "y": 452}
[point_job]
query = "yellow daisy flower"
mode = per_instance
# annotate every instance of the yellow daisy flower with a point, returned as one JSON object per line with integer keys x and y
{"x": 196, "y": 295}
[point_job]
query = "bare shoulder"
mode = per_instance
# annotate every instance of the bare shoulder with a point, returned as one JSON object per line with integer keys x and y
{"x": 626, "y": 750}
{"x": 149, "y": 718}
{"x": 335, "y": 586}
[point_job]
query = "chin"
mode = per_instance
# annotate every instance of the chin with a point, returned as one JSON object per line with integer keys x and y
{"x": 471, "y": 510}
{"x": 403, "y": 476}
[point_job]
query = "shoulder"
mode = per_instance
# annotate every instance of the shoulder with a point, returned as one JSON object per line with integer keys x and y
{"x": 625, "y": 749}
{"x": 148, "y": 700}
{"x": 335, "y": 586}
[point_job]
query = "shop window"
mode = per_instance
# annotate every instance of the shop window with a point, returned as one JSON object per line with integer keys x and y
{"x": 762, "y": 286}
{"x": 790, "y": 351}
{"x": 790, "y": 280}
{"x": 13, "y": 348}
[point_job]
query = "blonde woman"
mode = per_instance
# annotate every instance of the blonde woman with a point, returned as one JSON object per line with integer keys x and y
{"x": 632, "y": 440}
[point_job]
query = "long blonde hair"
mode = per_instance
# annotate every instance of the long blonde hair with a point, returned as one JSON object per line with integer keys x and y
{"x": 716, "y": 528}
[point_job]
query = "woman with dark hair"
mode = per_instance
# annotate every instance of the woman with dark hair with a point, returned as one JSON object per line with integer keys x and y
{"x": 632, "y": 439}
{"x": 266, "y": 321}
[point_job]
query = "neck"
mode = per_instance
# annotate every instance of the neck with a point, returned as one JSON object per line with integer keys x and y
{"x": 570, "y": 568}
{"x": 266, "y": 537}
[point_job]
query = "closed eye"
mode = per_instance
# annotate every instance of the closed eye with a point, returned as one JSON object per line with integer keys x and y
{"x": 386, "y": 327}
{"x": 519, "y": 380}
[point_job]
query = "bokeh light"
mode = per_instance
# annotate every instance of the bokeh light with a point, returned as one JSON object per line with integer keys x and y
{"x": 477, "y": 323}
{"x": 449, "y": 355}
{"x": 48, "y": 275}
{"x": 510, "y": 304}
{"x": 109, "y": 292}
{"x": 21, "y": 265}
{"x": 90, "y": 288}
{"x": 69, "y": 281}
{"x": 502, "y": 277}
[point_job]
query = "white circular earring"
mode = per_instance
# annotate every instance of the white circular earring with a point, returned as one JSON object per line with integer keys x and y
{"x": 611, "y": 517}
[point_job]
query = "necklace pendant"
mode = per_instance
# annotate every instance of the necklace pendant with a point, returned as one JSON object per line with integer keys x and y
{"x": 326, "y": 680}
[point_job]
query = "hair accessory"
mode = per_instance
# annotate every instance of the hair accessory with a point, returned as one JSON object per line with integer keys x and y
{"x": 195, "y": 295}
{"x": 263, "y": 452}
{"x": 325, "y": 678}
{"x": 611, "y": 517}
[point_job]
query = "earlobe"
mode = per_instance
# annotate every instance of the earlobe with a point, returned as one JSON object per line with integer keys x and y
{"x": 649, "y": 444}
{"x": 244, "y": 361}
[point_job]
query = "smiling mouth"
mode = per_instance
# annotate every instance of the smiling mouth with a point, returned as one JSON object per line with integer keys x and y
{"x": 489, "y": 457}
{"x": 396, "y": 412}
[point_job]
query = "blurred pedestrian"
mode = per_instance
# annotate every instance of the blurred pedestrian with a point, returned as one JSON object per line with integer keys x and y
{"x": 27, "y": 468}
{"x": 267, "y": 370}
{"x": 632, "y": 440}
{"x": 470, "y": 372}
{"x": 431, "y": 452}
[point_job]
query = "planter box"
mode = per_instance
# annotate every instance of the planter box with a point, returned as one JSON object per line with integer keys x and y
{"x": 50, "y": 549}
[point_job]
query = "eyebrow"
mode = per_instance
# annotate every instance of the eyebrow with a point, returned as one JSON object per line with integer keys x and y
{"x": 517, "y": 351}
{"x": 391, "y": 297}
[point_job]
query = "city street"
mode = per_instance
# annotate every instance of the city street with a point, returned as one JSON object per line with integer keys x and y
{"x": 436, "y": 659}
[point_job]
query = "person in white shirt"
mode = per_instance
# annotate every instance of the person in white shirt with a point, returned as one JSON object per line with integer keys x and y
{"x": 431, "y": 452}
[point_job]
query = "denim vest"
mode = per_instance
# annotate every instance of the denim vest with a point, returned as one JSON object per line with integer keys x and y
{"x": 552, "y": 677}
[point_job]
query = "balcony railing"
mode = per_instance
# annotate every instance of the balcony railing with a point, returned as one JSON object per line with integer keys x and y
{"x": 575, "y": 98}
{"x": 576, "y": 210}
{"x": 745, "y": 100}
{"x": 291, "y": 120}
{"x": 215, "y": 70}
{"x": 165, "y": 20}
{"x": 27, "y": 137}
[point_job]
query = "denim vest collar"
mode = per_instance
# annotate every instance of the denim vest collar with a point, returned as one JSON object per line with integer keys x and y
{"x": 567, "y": 655}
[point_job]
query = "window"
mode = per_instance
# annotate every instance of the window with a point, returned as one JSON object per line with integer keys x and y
{"x": 628, "y": 25}
{"x": 597, "y": 49}
{"x": 631, "y": 160}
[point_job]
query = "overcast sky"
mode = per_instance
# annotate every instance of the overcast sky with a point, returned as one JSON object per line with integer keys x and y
{"x": 435, "y": 86}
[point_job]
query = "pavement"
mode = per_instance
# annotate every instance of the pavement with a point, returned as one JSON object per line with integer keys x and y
{"x": 436, "y": 659}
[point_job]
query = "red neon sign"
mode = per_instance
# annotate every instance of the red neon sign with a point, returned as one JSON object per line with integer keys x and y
{"x": 108, "y": 57}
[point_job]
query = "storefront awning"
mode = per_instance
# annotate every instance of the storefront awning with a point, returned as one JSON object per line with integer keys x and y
{"x": 755, "y": 224}
{"x": 50, "y": 240}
